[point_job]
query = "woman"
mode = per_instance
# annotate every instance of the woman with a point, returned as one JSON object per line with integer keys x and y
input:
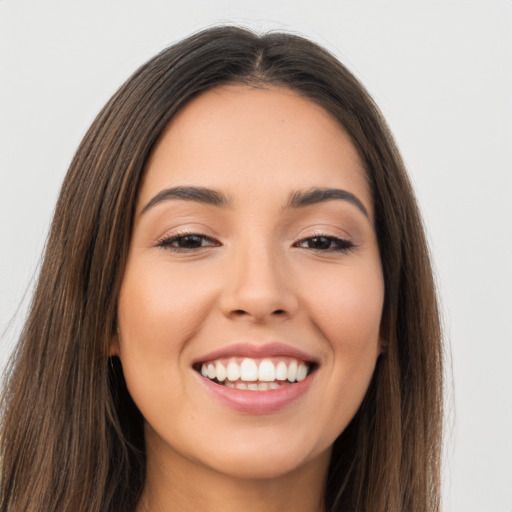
{"x": 236, "y": 307}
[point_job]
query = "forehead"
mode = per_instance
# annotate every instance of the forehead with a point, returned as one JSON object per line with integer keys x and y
{"x": 254, "y": 142}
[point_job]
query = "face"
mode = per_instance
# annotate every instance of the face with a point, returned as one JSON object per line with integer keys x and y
{"x": 250, "y": 306}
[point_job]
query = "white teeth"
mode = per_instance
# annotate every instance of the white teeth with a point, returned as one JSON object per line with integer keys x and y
{"x": 302, "y": 372}
{"x": 249, "y": 370}
{"x": 220, "y": 371}
{"x": 265, "y": 376}
{"x": 292, "y": 371}
{"x": 233, "y": 371}
{"x": 229, "y": 384}
{"x": 252, "y": 386}
{"x": 281, "y": 371}
{"x": 267, "y": 371}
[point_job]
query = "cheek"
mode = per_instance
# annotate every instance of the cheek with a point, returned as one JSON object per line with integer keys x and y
{"x": 158, "y": 309}
{"x": 158, "y": 313}
{"x": 348, "y": 308}
{"x": 349, "y": 315}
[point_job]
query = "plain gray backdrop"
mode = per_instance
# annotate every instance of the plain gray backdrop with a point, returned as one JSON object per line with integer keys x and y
{"x": 441, "y": 72}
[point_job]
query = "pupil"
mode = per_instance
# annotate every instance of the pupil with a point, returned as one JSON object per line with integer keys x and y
{"x": 320, "y": 242}
{"x": 190, "y": 241}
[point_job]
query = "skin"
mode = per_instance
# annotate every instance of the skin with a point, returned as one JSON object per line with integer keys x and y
{"x": 257, "y": 277}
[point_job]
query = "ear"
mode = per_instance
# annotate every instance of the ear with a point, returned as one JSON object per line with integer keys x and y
{"x": 114, "y": 347}
{"x": 383, "y": 345}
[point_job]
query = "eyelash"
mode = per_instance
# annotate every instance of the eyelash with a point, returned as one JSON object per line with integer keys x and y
{"x": 336, "y": 244}
{"x": 166, "y": 243}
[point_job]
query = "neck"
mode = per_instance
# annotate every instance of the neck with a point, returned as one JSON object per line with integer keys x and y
{"x": 186, "y": 486}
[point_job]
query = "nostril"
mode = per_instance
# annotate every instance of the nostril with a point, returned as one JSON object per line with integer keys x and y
{"x": 242, "y": 312}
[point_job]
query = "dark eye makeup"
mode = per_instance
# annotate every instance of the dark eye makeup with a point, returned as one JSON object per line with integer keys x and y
{"x": 189, "y": 242}
{"x": 325, "y": 243}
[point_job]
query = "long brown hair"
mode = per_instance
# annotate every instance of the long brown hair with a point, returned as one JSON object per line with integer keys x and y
{"x": 71, "y": 437}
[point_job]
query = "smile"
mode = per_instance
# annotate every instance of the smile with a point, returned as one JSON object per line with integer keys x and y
{"x": 257, "y": 378}
{"x": 255, "y": 374}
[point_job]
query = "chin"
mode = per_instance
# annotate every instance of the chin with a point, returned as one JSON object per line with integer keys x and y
{"x": 262, "y": 453}
{"x": 258, "y": 464}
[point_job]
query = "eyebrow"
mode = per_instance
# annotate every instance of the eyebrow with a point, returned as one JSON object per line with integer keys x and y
{"x": 198, "y": 194}
{"x": 311, "y": 196}
{"x": 299, "y": 199}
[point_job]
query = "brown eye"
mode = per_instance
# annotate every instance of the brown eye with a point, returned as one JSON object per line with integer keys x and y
{"x": 188, "y": 242}
{"x": 319, "y": 242}
{"x": 325, "y": 243}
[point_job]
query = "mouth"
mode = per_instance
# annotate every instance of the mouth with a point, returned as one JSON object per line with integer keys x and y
{"x": 255, "y": 374}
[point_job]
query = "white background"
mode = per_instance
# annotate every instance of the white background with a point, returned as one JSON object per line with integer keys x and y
{"x": 442, "y": 74}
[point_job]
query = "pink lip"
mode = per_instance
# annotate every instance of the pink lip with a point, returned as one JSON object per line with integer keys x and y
{"x": 257, "y": 351}
{"x": 257, "y": 402}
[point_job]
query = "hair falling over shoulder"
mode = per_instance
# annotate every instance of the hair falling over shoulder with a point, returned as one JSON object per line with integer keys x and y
{"x": 71, "y": 437}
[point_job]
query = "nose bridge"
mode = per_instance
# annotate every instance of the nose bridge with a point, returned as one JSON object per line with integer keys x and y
{"x": 258, "y": 284}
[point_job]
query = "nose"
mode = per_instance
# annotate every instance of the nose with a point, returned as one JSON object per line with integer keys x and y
{"x": 258, "y": 287}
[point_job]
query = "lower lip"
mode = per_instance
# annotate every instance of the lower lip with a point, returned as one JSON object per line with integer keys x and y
{"x": 258, "y": 402}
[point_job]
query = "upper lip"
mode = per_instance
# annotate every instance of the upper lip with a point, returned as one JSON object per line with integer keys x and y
{"x": 257, "y": 351}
